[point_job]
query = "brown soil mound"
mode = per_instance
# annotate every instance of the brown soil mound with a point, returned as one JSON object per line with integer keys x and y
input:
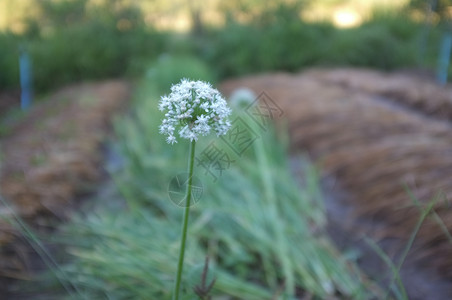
{"x": 378, "y": 134}
{"x": 411, "y": 91}
{"x": 54, "y": 154}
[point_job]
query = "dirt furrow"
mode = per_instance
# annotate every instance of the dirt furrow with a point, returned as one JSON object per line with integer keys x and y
{"x": 49, "y": 158}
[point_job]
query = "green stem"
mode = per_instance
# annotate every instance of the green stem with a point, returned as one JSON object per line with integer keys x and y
{"x": 180, "y": 264}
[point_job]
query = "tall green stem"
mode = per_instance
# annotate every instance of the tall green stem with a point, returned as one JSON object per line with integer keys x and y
{"x": 180, "y": 264}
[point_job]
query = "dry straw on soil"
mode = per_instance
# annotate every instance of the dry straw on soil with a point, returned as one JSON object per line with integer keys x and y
{"x": 377, "y": 134}
{"x": 54, "y": 153}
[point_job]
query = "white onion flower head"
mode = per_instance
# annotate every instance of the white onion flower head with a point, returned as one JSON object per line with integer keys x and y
{"x": 193, "y": 108}
{"x": 242, "y": 98}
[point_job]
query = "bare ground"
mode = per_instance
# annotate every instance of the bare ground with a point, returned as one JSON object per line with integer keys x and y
{"x": 50, "y": 157}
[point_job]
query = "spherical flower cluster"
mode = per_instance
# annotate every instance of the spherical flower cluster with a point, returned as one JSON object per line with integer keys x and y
{"x": 195, "y": 108}
{"x": 242, "y": 98}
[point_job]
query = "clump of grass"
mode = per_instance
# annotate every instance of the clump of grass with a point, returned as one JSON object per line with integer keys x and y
{"x": 255, "y": 223}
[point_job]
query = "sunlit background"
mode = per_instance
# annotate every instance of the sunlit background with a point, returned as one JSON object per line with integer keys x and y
{"x": 176, "y": 15}
{"x": 82, "y": 39}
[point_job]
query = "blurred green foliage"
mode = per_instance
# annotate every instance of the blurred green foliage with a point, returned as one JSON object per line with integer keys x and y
{"x": 170, "y": 69}
{"x": 439, "y": 7}
{"x": 9, "y": 61}
{"x": 274, "y": 40}
{"x": 73, "y": 40}
{"x": 88, "y": 52}
{"x": 70, "y": 42}
{"x": 279, "y": 40}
